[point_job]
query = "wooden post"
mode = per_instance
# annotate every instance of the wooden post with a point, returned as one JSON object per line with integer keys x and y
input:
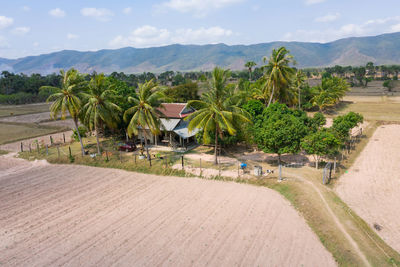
{"x": 135, "y": 159}
{"x": 183, "y": 167}
{"x": 219, "y": 168}
{"x": 47, "y": 150}
{"x": 107, "y": 155}
{"x": 37, "y": 145}
{"x": 70, "y": 153}
{"x": 64, "y": 137}
{"x": 30, "y": 148}
{"x": 51, "y": 140}
{"x": 120, "y": 156}
{"x": 334, "y": 167}
{"x": 149, "y": 160}
{"x": 58, "y": 152}
{"x": 280, "y": 172}
{"x": 22, "y": 147}
{"x": 200, "y": 167}
{"x": 166, "y": 162}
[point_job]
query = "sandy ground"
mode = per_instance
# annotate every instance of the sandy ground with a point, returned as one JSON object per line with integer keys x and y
{"x": 372, "y": 186}
{"x": 52, "y": 215}
{"x": 43, "y": 140}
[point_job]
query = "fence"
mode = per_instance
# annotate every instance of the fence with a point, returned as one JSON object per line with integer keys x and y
{"x": 327, "y": 173}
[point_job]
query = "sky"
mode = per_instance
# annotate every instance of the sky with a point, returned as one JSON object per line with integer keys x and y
{"x": 36, "y": 27}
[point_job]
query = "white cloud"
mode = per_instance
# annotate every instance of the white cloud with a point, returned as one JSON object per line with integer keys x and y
{"x": 71, "y": 36}
{"x": 147, "y": 36}
{"x": 57, "y": 13}
{"x": 5, "y": 22}
{"x": 36, "y": 44}
{"x": 312, "y": 2}
{"x": 127, "y": 10}
{"x": 21, "y": 30}
{"x": 26, "y": 8}
{"x": 370, "y": 27}
{"x": 101, "y": 14}
{"x": 396, "y": 28}
{"x": 199, "y": 7}
{"x": 328, "y": 18}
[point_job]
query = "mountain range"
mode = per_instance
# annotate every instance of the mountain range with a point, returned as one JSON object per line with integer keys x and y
{"x": 355, "y": 51}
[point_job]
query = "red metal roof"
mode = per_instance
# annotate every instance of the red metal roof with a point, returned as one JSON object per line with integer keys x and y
{"x": 173, "y": 110}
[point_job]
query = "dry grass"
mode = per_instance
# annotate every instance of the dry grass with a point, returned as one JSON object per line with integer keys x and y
{"x": 12, "y": 132}
{"x": 12, "y": 110}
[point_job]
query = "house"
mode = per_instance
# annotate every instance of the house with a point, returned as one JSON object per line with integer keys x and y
{"x": 173, "y": 127}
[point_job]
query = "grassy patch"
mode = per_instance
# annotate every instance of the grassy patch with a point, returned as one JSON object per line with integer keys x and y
{"x": 383, "y": 110}
{"x": 13, "y": 110}
{"x": 12, "y": 132}
{"x": 3, "y": 152}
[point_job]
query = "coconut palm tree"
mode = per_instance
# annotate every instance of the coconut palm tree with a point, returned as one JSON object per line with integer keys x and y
{"x": 99, "y": 108}
{"x": 218, "y": 111}
{"x": 298, "y": 82}
{"x": 144, "y": 111}
{"x": 278, "y": 71}
{"x": 67, "y": 98}
{"x": 249, "y": 65}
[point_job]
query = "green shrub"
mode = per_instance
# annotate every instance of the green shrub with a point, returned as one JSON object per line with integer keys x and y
{"x": 82, "y": 131}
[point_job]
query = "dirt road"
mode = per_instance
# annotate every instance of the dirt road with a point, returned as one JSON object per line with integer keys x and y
{"x": 53, "y": 215}
{"x": 372, "y": 186}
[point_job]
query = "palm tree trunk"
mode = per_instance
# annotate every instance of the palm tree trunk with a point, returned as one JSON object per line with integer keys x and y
{"x": 299, "y": 99}
{"x": 216, "y": 146}
{"x": 97, "y": 140}
{"x": 79, "y": 135}
{"x": 272, "y": 95}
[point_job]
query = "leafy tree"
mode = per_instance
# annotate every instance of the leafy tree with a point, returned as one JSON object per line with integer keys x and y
{"x": 318, "y": 120}
{"x": 217, "y": 111}
{"x": 249, "y": 65}
{"x": 254, "y": 107}
{"x": 143, "y": 111}
{"x": 68, "y": 98}
{"x": 343, "y": 124}
{"x": 100, "y": 108}
{"x": 389, "y": 85}
{"x": 183, "y": 93}
{"x": 279, "y": 131}
{"x": 278, "y": 72}
{"x": 321, "y": 143}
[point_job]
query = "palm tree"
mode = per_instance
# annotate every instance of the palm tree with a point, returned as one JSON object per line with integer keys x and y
{"x": 67, "y": 98}
{"x": 143, "y": 112}
{"x": 218, "y": 110}
{"x": 250, "y": 65}
{"x": 278, "y": 71}
{"x": 298, "y": 82}
{"x": 99, "y": 108}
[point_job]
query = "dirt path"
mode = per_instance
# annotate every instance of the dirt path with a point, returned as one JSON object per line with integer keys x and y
{"x": 376, "y": 177}
{"x": 53, "y": 215}
{"x": 335, "y": 219}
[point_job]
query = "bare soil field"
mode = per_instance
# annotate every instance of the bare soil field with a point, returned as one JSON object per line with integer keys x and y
{"x": 11, "y": 110}
{"x": 371, "y": 187}
{"x": 52, "y": 215}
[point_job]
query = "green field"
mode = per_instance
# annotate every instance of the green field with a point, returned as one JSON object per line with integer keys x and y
{"x": 12, "y": 110}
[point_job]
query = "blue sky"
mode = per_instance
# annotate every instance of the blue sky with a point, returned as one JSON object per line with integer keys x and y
{"x": 35, "y": 27}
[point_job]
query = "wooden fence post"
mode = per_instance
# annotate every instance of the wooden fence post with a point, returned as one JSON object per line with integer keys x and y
{"x": 47, "y": 150}
{"x": 30, "y": 149}
{"x": 334, "y": 167}
{"x": 51, "y": 140}
{"x": 120, "y": 156}
{"x": 22, "y": 147}
{"x": 70, "y": 152}
{"x": 37, "y": 145}
{"x": 183, "y": 166}
{"x": 135, "y": 159}
{"x": 58, "y": 152}
{"x": 64, "y": 137}
{"x": 200, "y": 168}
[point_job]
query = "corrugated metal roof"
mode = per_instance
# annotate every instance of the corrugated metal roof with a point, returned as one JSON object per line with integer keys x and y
{"x": 169, "y": 124}
{"x": 183, "y": 131}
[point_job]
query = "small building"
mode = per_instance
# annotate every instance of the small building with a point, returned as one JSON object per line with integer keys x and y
{"x": 173, "y": 127}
